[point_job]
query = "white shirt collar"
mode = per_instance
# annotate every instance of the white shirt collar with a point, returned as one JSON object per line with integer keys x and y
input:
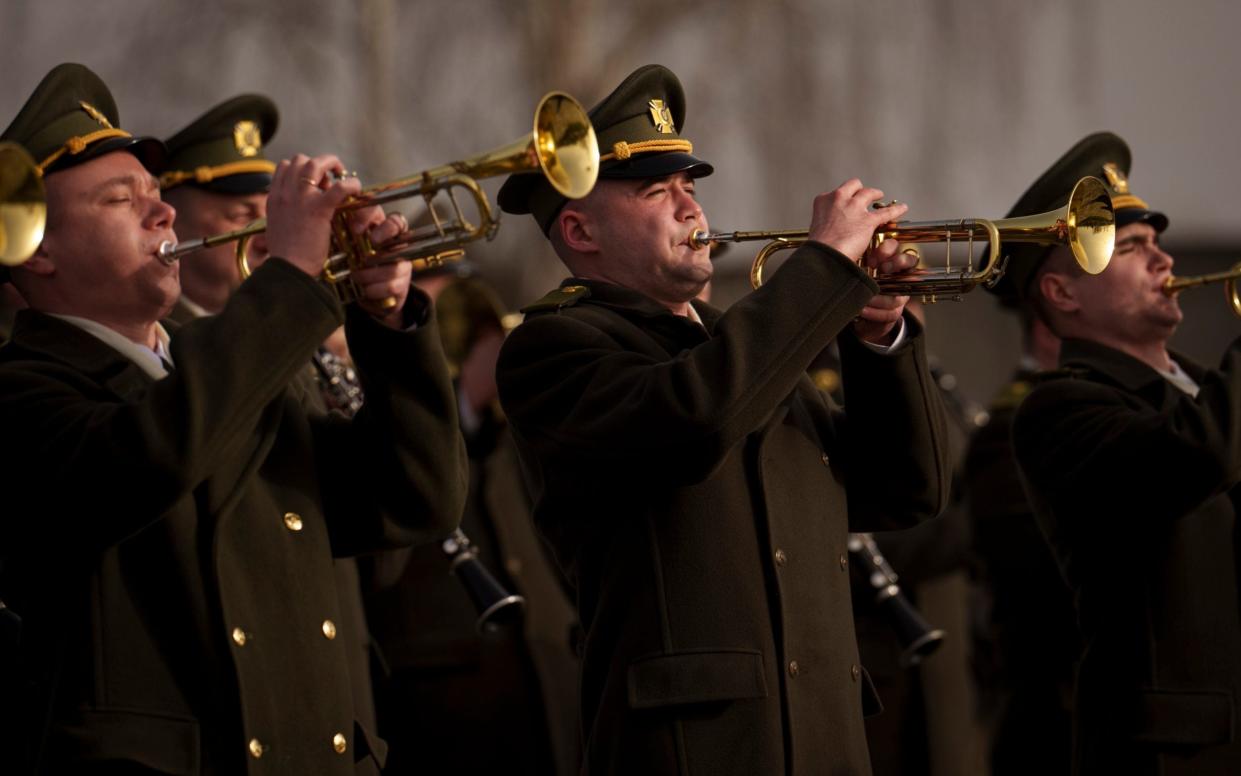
{"x": 1177, "y": 377}
{"x": 149, "y": 361}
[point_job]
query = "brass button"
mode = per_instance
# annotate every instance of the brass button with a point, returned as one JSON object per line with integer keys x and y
{"x": 239, "y": 637}
{"x": 256, "y": 748}
{"x": 329, "y": 629}
{"x": 825, "y": 460}
{"x": 844, "y": 561}
{"x": 855, "y": 672}
{"x": 781, "y": 558}
{"x": 293, "y": 521}
{"x": 339, "y": 743}
{"x": 794, "y": 669}
{"x": 573, "y": 289}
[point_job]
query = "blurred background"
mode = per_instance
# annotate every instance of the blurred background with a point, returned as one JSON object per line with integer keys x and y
{"x": 953, "y": 106}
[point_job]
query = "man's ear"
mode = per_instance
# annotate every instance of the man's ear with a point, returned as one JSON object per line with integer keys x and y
{"x": 39, "y": 264}
{"x": 576, "y": 231}
{"x": 1059, "y": 291}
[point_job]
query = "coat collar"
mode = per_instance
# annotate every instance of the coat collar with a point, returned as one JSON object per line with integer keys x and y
{"x": 52, "y": 339}
{"x": 635, "y": 304}
{"x": 1122, "y": 368}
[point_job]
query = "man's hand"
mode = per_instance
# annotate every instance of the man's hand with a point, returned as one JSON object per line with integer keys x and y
{"x": 305, "y": 193}
{"x": 881, "y": 314}
{"x": 842, "y": 219}
{"x": 380, "y": 286}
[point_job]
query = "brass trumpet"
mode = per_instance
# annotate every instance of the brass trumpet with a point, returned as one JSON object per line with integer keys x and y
{"x": 562, "y": 146}
{"x": 1174, "y": 285}
{"x": 23, "y": 205}
{"x": 1087, "y": 224}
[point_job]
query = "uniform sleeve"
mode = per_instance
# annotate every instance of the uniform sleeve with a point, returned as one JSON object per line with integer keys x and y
{"x": 574, "y": 392}
{"x": 111, "y": 467}
{"x": 397, "y": 474}
{"x": 1087, "y": 448}
{"x": 895, "y": 451}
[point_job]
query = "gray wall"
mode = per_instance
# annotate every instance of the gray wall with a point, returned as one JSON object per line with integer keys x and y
{"x": 951, "y": 105}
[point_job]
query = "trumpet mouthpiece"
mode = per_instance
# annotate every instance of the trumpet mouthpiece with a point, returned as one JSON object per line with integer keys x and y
{"x": 167, "y": 252}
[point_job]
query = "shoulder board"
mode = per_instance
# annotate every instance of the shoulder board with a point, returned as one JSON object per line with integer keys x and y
{"x": 558, "y": 299}
{"x": 1010, "y": 396}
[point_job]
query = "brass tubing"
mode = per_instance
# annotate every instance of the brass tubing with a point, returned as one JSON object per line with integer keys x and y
{"x": 561, "y": 146}
{"x": 1087, "y": 225}
{"x": 1174, "y": 285}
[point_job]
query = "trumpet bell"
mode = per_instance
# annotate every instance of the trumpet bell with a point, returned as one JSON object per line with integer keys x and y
{"x": 565, "y": 145}
{"x": 1091, "y": 223}
{"x": 23, "y": 205}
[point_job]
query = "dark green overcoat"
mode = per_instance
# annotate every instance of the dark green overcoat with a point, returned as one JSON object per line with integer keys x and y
{"x": 691, "y": 482}
{"x": 171, "y": 554}
{"x": 1133, "y": 482}
{"x": 359, "y": 647}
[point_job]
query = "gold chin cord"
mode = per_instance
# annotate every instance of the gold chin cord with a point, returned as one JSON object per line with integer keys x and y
{"x": 1087, "y": 225}
{"x": 23, "y": 205}
{"x": 1174, "y": 285}
{"x": 562, "y": 147}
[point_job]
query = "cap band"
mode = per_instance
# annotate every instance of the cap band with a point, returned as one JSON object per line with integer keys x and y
{"x": 1127, "y": 201}
{"x": 79, "y": 143}
{"x": 622, "y": 150}
{"x": 208, "y": 174}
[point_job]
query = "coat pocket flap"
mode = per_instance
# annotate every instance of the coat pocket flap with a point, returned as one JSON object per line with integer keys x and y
{"x": 696, "y": 677}
{"x": 166, "y": 744}
{"x": 1185, "y": 717}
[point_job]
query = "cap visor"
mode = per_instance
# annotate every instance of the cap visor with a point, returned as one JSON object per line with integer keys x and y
{"x": 244, "y": 183}
{"x": 656, "y": 166}
{"x": 1157, "y": 220}
{"x": 150, "y": 151}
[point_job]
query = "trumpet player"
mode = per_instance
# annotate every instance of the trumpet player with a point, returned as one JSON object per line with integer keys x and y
{"x": 1131, "y": 453}
{"x": 674, "y": 451}
{"x": 217, "y": 177}
{"x": 172, "y": 558}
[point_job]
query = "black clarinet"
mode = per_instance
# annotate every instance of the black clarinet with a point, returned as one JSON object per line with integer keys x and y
{"x": 496, "y": 606}
{"x": 916, "y": 637}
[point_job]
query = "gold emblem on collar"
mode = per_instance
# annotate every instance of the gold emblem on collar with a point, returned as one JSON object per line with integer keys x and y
{"x": 94, "y": 113}
{"x": 661, "y": 114}
{"x": 1115, "y": 178}
{"x": 247, "y": 138}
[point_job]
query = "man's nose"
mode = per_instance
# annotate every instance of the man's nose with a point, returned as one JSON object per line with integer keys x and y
{"x": 687, "y": 206}
{"x": 162, "y": 215}
{"x": 1161, "y": 259}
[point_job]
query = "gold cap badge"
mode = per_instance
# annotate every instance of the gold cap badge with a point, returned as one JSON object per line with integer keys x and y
{"x": 1115, "y": 178}
{"x": 661, "y": 114}
{"x": 247, "y": 138}
{"x": 94, "y": 113}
